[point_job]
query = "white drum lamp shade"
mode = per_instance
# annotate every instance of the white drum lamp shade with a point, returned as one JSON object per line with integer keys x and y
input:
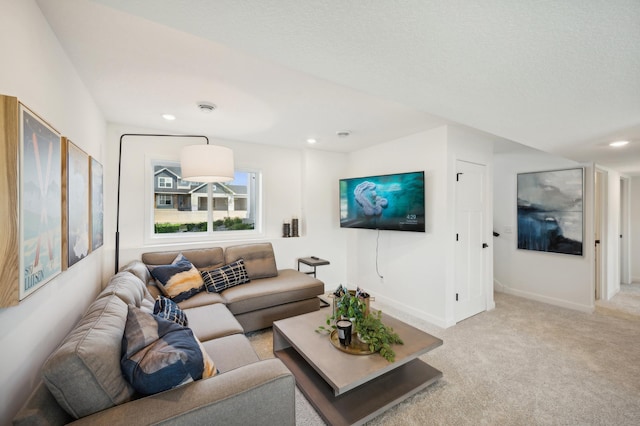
{"x": 206, "y": 163}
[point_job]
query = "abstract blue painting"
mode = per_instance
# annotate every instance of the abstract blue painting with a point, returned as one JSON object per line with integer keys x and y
{"x": 550, "y": 211}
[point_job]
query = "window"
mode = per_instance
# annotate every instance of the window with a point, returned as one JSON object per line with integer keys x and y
{"x": 165, "y": 182}
{"x": 164, "y": 201}
{"x": 183, "y": 184}
{"x": 201, "y": 208}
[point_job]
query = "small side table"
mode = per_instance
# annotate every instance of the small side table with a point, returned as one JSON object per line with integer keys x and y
{"x": 314, "y": 263}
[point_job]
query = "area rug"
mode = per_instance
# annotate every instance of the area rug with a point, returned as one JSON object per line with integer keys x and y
{"x": 523, "y": 363}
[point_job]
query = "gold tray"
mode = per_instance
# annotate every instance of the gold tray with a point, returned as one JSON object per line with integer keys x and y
{"x": 355, "y": 348}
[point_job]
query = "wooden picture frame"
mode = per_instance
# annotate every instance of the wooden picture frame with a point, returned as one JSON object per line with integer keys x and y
{"x": 9, "y": 243}
{"x": 76, "y": 202}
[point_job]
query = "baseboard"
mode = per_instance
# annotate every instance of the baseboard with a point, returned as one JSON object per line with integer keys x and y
{"x": 549, "y": 300}
{"x": 498, "y": 286}
{"x": 411, "y": 311}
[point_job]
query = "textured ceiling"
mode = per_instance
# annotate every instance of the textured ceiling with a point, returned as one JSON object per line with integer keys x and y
{"x": 561, "y": 76}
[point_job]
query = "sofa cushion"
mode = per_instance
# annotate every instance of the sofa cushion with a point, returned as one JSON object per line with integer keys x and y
{"x": 289, "y": 286}
{"x": 206, "y": 258}
{"x": 201, "y": 299}
{"x": 212, "y": 321}
{"x": 231, "y": 352}
{"x": 127, "y": 287}
{"x": 158, "y": 354}
{"x": 169, "y": 310}
{"x": 258, "y": 259}
{"x": 224, "y": 277}
{"x": 139, "y": 269}
{"x": 179, "y": 280}
{"x": 84, "y": 374}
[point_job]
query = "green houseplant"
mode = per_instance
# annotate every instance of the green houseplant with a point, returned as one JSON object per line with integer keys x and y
{"x": 372, "y": 331}
{"x": 368, "y": 326}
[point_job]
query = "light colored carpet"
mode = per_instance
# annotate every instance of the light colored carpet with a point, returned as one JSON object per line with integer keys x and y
{"x": 523, "y": 363}
{"x": 626, "y": 302}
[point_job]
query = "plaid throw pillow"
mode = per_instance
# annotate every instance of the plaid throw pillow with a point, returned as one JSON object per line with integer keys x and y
{"x": 224, "y": 277}
{"x": 168, "y": 309}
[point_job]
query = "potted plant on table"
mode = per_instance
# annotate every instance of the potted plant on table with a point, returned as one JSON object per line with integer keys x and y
{"x": 354, "y": 306}
{"x": 372, "y": 331}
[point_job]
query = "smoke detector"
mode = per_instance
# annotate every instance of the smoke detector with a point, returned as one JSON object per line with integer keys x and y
{"x": 206, "y": 107}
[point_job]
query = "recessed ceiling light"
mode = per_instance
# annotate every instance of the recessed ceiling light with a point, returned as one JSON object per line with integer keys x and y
{"x": 311, "y": 141}
{"x": 618, "y": 143}
{"x": 169, "y": 117}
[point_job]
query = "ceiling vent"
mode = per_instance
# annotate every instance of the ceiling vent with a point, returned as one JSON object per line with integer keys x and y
{"x": 206, "y": 107}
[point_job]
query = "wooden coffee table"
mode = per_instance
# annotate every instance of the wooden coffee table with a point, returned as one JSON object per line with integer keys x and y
{"x": 350, "y": 389}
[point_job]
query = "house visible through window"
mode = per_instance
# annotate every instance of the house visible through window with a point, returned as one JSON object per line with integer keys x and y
{"x": 164, "y": 201}
{"x": 165, "y": 182}
{"x": 193, "y": 207}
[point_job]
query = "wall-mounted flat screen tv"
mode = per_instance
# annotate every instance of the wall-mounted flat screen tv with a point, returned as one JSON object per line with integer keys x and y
{"x": 389, "y": 202}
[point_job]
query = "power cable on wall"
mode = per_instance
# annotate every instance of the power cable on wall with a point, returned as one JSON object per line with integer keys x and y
{"x": 377, "y": 244}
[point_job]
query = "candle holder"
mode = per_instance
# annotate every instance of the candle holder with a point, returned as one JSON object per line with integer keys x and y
{"x": 294, "y": 228}
{"x": 286, "y": 230}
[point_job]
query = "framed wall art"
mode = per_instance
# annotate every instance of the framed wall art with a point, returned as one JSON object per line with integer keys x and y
{"x": 40, "y": 201}
{"x": 77, "y": 201}
{"x": 551, "y": 211}
{"x": 97, "y": 209}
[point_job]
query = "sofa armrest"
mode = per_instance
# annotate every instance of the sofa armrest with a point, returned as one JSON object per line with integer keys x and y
{"x": 258, "y": 393}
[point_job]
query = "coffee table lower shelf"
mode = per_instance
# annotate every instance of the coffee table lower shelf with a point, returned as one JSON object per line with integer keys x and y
{"x": 367, "y": 400}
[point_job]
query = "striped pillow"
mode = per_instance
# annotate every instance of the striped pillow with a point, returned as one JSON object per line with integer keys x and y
{"x": 178, "y": 281}
{"x": 224, "y": 277}
{"x": 158, "y": 354}
{"x": 168, "y": 309}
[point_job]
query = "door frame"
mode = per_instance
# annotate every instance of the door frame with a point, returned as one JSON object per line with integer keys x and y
{"x": 600, "y": 202}
{"x": 625, "y": 230}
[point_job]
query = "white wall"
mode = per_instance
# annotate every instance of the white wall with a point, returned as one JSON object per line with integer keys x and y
{"x": 635, "y": 229}
{"x": 36, "y": 70}
{"x": 412, "y": 263}
{"x": 417, "y": 267}
{"x": 321, "y": 213}
{"x": 285, "y": 172}
{"x": 563, "y": 280}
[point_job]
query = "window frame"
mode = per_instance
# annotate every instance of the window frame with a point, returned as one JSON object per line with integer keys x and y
{"x": 151, "y": 238}
{"x": 164, "y": 179}
{"x": 164, "y": 196}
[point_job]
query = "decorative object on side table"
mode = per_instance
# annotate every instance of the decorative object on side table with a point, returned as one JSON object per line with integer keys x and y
{"x": 353, "y": 305}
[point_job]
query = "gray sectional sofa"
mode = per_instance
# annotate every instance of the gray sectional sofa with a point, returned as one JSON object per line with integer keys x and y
{"x": 83, "y": 382}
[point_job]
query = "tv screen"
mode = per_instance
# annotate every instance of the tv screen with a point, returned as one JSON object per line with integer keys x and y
{"x": 390, "y": 202}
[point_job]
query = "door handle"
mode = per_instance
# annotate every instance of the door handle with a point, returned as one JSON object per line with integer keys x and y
{"x": 485, "y": 245}
{"x": 597, "y": 242}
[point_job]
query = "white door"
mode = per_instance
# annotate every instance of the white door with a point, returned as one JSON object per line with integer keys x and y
{"x": 469, "y": 265}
